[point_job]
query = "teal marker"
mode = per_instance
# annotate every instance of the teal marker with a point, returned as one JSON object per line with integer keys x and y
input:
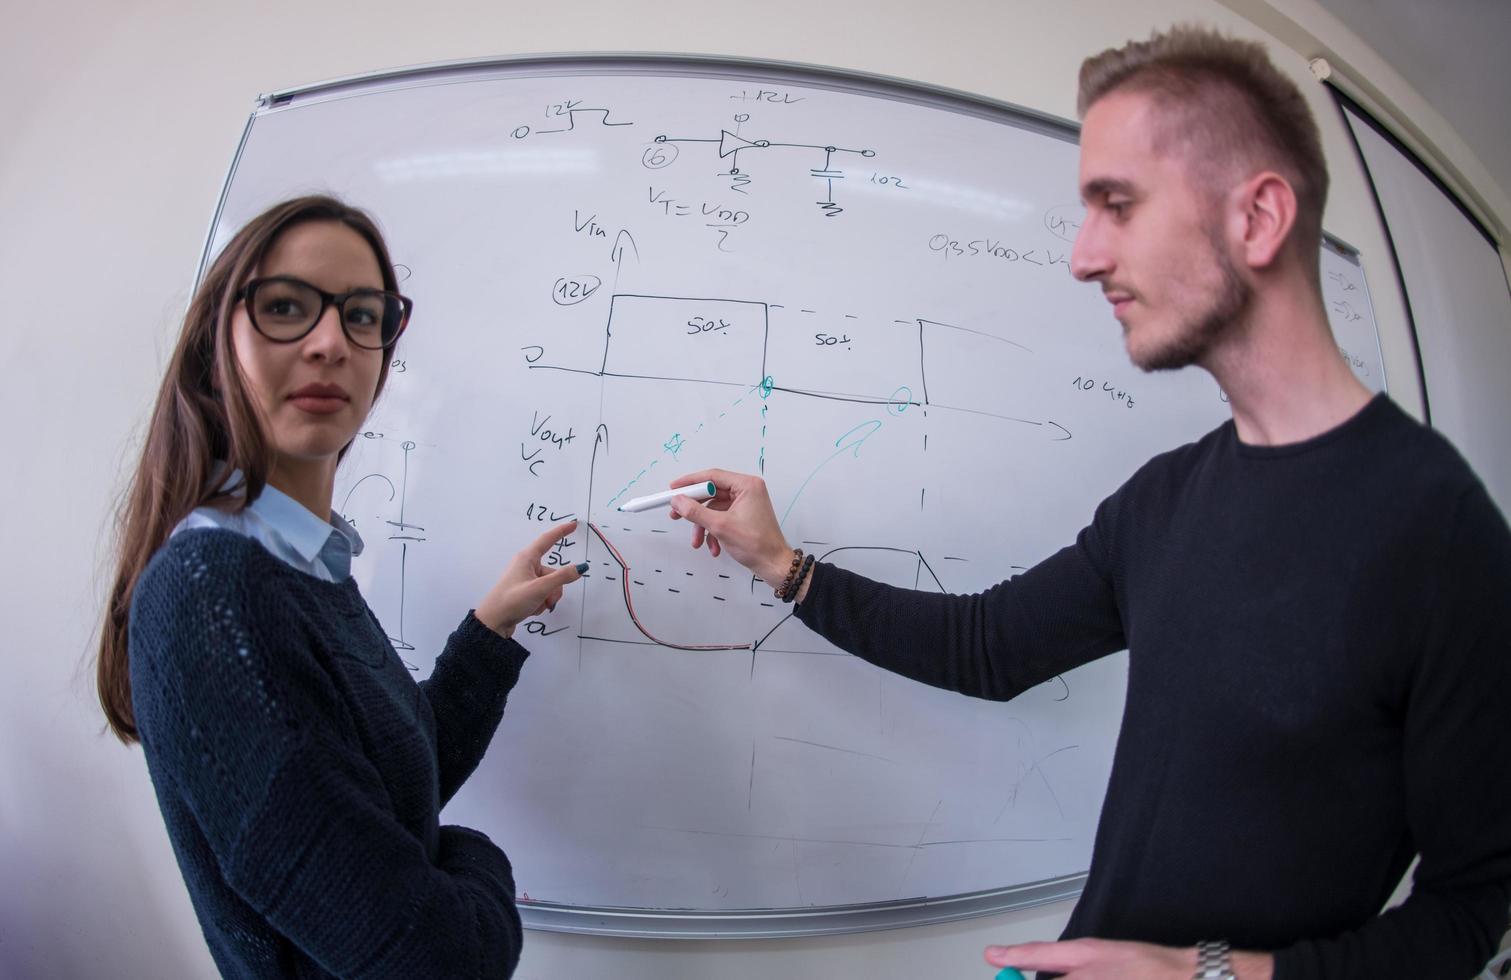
{"x": 1008, "y": 973}
{"x": 697, "y": 491}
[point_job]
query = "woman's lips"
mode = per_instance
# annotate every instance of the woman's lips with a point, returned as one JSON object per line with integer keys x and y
{"x": 319, "y": 404}
{"x": 320, "y": 399}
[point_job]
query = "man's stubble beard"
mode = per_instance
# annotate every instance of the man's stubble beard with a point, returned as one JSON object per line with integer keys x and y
{"x": 1223, "y": 317}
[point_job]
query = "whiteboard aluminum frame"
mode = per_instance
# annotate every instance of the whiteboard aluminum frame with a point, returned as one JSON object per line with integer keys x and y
{"x": 220, "y": 202}
{"x": 795, "y": 923}
{"x": 642, "y": 923}
{"x": 702, "y": 65}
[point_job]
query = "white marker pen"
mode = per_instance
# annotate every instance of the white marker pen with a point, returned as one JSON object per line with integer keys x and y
{"x": 698, "y": 491}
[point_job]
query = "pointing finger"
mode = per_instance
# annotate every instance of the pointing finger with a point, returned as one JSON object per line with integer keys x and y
{"x": 548, "y": 540}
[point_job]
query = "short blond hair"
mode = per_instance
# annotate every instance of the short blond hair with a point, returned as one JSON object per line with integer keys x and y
{"x": 1226, "y": 107}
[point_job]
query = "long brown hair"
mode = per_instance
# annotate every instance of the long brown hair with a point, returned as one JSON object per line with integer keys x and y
{"x": 204, "y": 417}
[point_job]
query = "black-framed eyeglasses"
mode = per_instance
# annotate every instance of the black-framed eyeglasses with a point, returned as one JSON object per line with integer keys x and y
{"x": 284, "y": 309}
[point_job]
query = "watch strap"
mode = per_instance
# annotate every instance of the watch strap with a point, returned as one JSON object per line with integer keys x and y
{"x": 1213, "y": 961}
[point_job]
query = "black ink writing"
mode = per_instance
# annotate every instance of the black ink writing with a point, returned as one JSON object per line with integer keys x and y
{"x": 1083, "y": 383}
{"x": 995, "y": 249}
{"x": 767, "y": 95}
{"x": 569, "y": 292}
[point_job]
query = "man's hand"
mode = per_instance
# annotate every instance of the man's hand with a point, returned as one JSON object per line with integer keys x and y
{"x": 738, "y": 519}
{"x": 1103, "y": 959}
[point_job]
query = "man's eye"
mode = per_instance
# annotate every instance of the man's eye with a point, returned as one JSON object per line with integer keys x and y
{"x": 1117, "y": 208}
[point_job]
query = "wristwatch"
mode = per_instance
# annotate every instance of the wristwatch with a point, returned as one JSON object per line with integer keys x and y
{"x": 1213, "y": 961}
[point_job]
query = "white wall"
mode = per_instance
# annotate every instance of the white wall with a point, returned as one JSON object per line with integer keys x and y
{"x": 116, "y": 131}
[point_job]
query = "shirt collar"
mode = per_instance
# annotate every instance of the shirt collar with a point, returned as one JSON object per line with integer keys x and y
{"x": 291, "y": 520}
{"x": 353, "y": 539}
{"x": 302, "y": 530}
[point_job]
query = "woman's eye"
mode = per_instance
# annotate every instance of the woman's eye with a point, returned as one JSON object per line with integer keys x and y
{"x": 282, "y": 307}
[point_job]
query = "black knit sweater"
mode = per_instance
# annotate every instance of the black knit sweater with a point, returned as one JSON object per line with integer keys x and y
{"x": 301, "y": 770}
{"x": 1319, "y": 642}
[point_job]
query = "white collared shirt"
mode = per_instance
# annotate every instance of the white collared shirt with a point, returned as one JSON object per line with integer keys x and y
{"x": 284, "y": 527}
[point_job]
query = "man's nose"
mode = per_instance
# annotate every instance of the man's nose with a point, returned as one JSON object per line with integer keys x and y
{"x": 1088, "y": 256}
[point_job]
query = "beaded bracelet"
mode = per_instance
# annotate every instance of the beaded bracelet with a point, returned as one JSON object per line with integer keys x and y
{"x": 797, "y": 583}
{"x": 797, "y": 562}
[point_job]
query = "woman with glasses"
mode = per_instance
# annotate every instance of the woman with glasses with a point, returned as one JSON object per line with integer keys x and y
{"x": 299, "y": 767}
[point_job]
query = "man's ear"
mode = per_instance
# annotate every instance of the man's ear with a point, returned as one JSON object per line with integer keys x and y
{"x": 1264, "y": 213}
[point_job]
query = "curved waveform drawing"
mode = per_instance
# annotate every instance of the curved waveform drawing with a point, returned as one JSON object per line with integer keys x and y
{"x": 629, "y": 604}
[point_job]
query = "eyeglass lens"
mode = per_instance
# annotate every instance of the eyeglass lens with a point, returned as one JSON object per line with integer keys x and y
{"x": 285, "y": 310}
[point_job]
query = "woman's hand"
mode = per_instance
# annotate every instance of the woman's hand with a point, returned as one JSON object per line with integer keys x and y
{"x": 528, "y": 588}
{"x": 738, "y": 519}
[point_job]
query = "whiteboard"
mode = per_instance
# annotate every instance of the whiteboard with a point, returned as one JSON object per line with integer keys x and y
{"x": 1345, "y": 294}
{"x": 1455, "y": 285}
{"x": 626, "y": 269}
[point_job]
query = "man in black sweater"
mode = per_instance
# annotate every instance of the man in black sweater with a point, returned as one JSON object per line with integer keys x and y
{"x": 1315, "y": 597}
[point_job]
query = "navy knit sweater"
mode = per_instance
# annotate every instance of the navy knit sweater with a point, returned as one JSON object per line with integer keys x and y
{"x": 1319, "y": 642}
{"x": 301, "y": 770}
